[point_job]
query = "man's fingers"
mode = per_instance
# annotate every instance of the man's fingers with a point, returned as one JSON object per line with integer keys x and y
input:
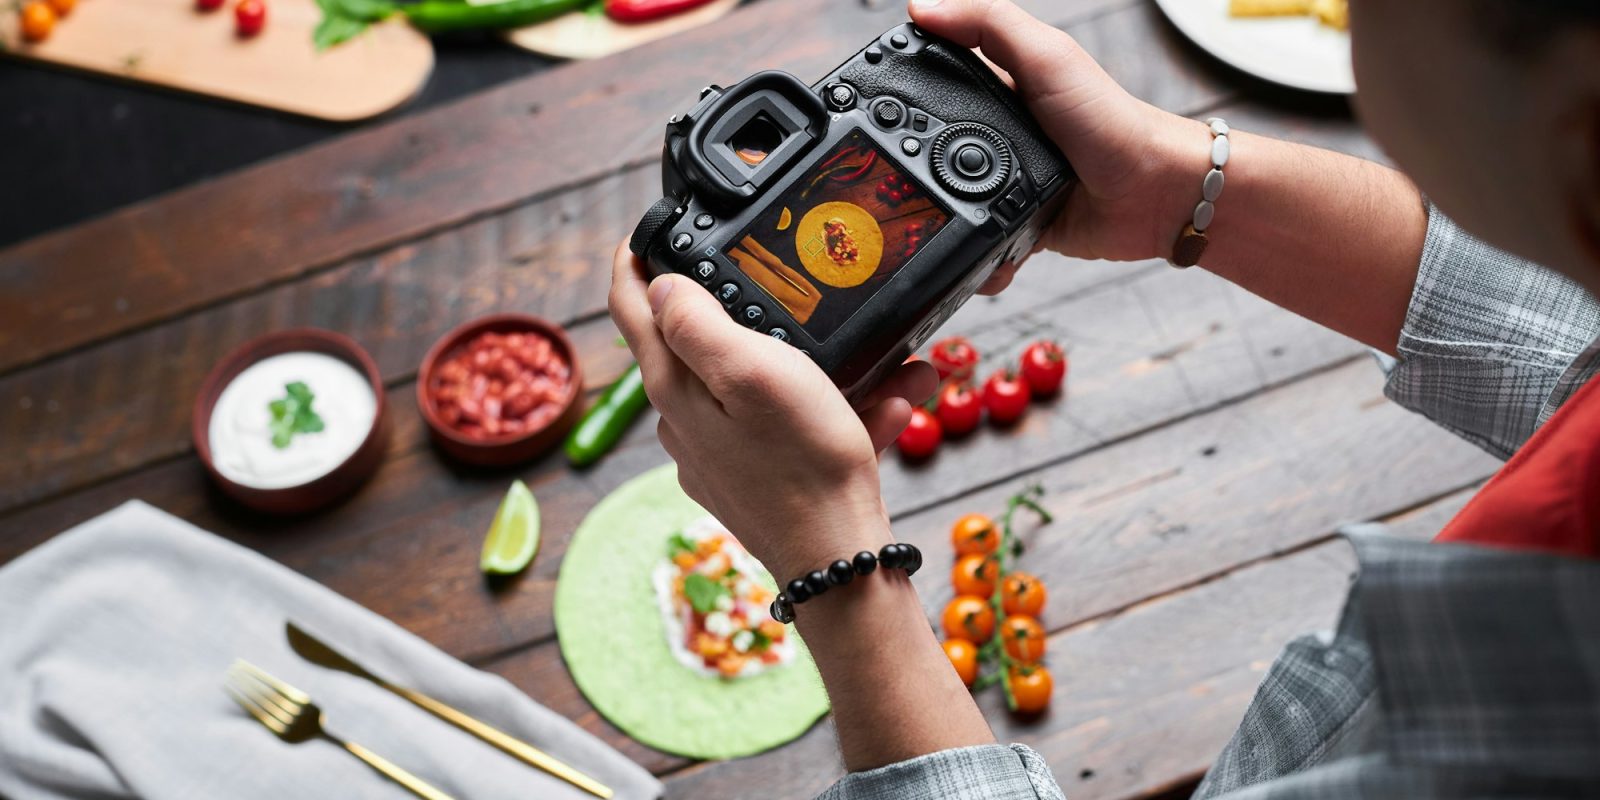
{"x": 885, "y": 421}
{"x": 672, "y": 388}
{"x": 728, "y": 357}
{"x": 1042, "y": 60}
{"x": 1001, "y": 278}
{"x": 915, "y": 381}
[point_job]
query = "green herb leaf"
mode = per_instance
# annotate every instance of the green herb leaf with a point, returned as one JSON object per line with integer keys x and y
{"x": 679, "y": 543}
{"x": 343, "y": 20}
{"x": 703, "y": 592}
{"x": 292, "y": 415}
{"x": 760, "y": 641}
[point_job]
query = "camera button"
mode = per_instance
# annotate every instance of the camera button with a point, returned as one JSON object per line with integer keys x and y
{"x": 972, "y": 161}
{"x": 898, "y": 41}
{"x": 919, "y": 122}
{"x": 682, "y": 242}
{"x": 888, "y": 114}
{"x": 873, "y": 55}
{"x": 704, "y": 221}
{"x": 841, "y": 97}
{"x": 705, "y": 271}
{"x": 751, "y": 316}
{"x": 729, "y": 293}
{"x": 910, "y": 146}
{"x": 779, "y": 334}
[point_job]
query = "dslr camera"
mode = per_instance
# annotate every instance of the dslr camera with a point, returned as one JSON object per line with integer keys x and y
{"x": 850, "y": 218}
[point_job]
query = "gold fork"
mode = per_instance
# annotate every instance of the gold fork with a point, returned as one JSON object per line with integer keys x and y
{"x": 289, "y": 713}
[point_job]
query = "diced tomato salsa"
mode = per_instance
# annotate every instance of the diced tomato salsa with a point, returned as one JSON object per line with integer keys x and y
{"x": 500, "y": 385}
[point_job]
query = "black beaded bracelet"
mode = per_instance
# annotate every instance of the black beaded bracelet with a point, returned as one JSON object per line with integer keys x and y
{"x": 841, "y": 572}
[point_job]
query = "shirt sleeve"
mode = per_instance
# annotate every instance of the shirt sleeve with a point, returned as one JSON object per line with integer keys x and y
{"x": 986, "y": 772}
{"x": 1487, "y": 339}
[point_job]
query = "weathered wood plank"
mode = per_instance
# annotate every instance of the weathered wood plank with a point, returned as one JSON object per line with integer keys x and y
{"x": 1144, "y": 698}
{"x": 376, "y": 188}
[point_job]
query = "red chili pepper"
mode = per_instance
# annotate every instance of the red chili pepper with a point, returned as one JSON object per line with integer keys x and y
{"x": 854, "y": 175}
{"x": 646, "y": 10}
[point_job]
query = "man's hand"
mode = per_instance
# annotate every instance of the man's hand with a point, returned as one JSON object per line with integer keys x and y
{"x": 762, "y": 437}
{"x": 1137, "y": 165}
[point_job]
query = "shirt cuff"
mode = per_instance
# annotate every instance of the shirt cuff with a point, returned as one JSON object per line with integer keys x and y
{"x": 1486, "y": 339}
{"x": 985, "y": 772}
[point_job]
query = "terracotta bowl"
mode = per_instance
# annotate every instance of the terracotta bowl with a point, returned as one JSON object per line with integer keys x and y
{"x": 509, "y": 448}
{"x": 319, "y": 492}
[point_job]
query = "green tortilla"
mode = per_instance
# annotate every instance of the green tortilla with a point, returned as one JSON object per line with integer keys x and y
{"x": 614, "y": 641}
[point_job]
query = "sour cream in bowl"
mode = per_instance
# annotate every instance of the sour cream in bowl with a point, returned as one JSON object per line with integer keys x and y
{"x": 291, "y": 421}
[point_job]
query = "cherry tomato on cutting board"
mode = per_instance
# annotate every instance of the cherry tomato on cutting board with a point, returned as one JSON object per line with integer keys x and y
{"x": 38, "y": 20}
{"x": 1022, "y": 593}
{"x": 974, "y": 575}
{"x": 954, "y": 357}
{"x": 1031, "y": 686}
{"x": 964, "y": 657}
{"x": 974, "y": 533}
{"x": 249, "y": 17}
{"x": 921, "y": 437}
{"x": 1005, "y": 397}
{"x": 1044, "y": 366}
{"x": 960, "y": 409}
{"x": 1024, "y": 638}
{"x": 968, "y": 617}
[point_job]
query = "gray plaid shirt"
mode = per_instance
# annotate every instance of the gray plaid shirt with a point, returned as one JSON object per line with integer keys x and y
{"x": 1456, "y": 671}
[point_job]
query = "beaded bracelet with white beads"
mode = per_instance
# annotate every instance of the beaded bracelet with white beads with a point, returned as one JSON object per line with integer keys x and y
{"x": 1192, "y": 241}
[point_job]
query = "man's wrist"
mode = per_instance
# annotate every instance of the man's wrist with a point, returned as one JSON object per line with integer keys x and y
{"x": 818, "y": 541}
{"x": 1180, "y": 158}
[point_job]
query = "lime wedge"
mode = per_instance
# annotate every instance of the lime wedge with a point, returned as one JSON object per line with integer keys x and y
{"x": 514, "y": 537}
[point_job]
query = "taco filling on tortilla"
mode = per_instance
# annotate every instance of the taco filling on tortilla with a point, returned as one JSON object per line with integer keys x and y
{"x": 842, "y": 247}
{"x": 714, "y": 607}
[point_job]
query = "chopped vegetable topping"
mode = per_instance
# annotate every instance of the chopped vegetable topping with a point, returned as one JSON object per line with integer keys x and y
{"x": 292, "y": 414}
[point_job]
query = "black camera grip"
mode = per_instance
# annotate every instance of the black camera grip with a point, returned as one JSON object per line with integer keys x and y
{"x": 939, "y": 79}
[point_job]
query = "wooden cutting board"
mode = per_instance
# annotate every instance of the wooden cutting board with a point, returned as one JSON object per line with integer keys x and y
{"x": 169, "y": 43}
{"x": 582, "y": 34}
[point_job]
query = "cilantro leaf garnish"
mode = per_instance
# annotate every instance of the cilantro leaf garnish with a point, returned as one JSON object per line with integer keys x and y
{"x": 292, "y": 414}
{"x": 679, "y": 543}
{"x": 703, "y": 592}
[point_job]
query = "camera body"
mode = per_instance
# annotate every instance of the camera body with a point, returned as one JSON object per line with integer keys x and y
{"x": 852, "y": 217}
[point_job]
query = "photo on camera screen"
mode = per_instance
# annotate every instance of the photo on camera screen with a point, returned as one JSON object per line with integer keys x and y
{"x": 831, "y": 241}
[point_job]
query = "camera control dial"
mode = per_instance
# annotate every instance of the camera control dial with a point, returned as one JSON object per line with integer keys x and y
{"x": 970, "y": 160}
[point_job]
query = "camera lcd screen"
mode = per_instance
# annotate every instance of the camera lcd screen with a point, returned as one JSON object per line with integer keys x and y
{"x": 837, "y": 235}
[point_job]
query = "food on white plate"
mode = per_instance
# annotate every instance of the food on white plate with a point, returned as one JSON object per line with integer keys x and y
{"x": 290, "y": 419}
{"x": 715, "y": 606}
{"x": 1333, "y": 13}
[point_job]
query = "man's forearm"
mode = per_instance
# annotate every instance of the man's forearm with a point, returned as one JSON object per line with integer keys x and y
{"x": 893, "y": 692}
{"x": 1334, "y": 238}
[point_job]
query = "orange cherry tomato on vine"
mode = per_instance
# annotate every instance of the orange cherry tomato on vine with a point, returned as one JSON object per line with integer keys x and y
{"x": 974, "y": 533}
{"x": 1031, "y": 686}
{"x": 974, "y": 575}
{"x": 968, "y": 617}
{"x": 964, "y": 657}
{"x": 1024, "y": 638}
{"x": 1005, "y": 397}
{"x": 38, "y": 20}
{"x": 1044, "y": 367}
{"x": 921, "y": 437}
{"x": 954, "y": 357}
{"x": 249, "y": 17}
{"x": 960, "y": 409}
{"x": 1022, "y": 593}
{"x": 62, "y": 7}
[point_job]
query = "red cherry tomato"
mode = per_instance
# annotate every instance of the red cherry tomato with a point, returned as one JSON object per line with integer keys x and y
{"x": 208, "y": 5}
{"x": 1005, "y": 397}
{"x": 249, "y": 17}
{"x": 1044, "y": 366}
{"x": 960, "y": 409}
{"x": 922, "y": 437}
{"x": 954, "y": 356}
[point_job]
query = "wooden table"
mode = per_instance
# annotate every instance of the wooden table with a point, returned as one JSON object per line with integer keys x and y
{"x": 1207, "y": 448}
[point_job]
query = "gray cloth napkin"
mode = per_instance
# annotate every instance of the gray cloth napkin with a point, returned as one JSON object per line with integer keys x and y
{"x": 114, "y": 638}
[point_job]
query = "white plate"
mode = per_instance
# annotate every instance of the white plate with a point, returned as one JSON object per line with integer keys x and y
{"x": 1294, "y": 51}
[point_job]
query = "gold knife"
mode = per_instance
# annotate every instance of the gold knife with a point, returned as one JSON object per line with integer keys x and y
{"x": 317, "y": 652}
